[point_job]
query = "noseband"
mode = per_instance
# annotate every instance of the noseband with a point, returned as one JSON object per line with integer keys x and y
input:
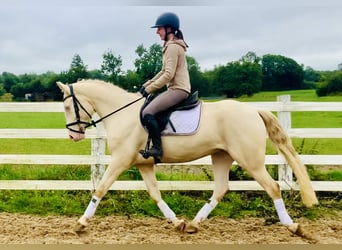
{"x": 77, "y": 105}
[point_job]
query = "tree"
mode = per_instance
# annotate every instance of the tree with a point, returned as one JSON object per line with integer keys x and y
{"x": 238, "y": 78}
{"x": 111, "y": 66}
{"x": 149, "y": 62}
{"x": 131, "y": 81}
{"x": 311, "y": 75}
{"x": 311, "y": 78}
{"x": 2, "y": 89}
{"x": 96, "y": 74}
{"x": 196, "y": 79}
{"x": 332, "y": 86}
{"x": 250, "y": 57}
{"x": 281, "y": 73}
{"x": 8, "y": 80}
{"x": 18, "y": 91}
{"x": 208, "y": 79}
{"x": 37, "y": 89}
{"x": 77, "y": 70}
{"x": 51, "y": 91}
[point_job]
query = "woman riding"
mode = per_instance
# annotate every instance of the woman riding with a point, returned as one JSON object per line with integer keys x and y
{"x": 174, "y": 75}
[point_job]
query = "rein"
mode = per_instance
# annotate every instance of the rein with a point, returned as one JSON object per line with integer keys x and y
{"x": 78, "y": 105}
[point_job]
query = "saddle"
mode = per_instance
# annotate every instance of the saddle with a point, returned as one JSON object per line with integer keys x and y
{"x": 163, "y": 118}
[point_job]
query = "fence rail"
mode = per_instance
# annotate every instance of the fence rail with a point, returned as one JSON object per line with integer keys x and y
{"x": 98, "y": 159}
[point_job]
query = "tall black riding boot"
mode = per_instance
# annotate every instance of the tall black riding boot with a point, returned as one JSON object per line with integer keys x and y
{"x": 152, "y": 126}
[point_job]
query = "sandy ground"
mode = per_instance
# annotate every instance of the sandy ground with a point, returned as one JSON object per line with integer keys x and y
{"x": 32, "y": 229}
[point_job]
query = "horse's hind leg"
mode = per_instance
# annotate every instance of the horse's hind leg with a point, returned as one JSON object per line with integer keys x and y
{"x": 221, "y": 165}
{"x": 147, "y": 173}
{"x": 272, "y": 188}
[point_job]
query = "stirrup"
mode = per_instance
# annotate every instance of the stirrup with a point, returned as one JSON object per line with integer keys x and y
{"x": 153, "y": 152}
{"x": 144, "y": 153}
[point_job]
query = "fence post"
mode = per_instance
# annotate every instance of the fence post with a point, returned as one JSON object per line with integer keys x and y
{"x": 98, "y": 150}
{"x": 284, "y": 171}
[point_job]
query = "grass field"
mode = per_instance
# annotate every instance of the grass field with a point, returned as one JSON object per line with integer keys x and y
{"x": 308, "y": 95}
{"x": 138, "y": 202}
{"x": 304, "y": 119}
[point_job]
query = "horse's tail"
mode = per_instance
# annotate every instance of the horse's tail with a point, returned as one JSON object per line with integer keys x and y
{"x": 279, "y": 137}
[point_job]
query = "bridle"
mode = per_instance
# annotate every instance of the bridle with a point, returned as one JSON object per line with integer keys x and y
{"x": 77, "y": 106}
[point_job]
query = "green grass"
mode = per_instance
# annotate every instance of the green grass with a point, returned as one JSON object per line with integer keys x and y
{"x": 184, "y": 203}
{"x": 311, "y": 119}
{"x": 45, "y": 146}
{"x": 307, "y": 95}
{"x": 308, "y": 119}
{"x": 34, "y": 172}
{"x": 31, "y": 120}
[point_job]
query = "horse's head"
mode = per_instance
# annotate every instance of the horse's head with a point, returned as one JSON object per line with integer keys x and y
{"x": 77, "y": 110}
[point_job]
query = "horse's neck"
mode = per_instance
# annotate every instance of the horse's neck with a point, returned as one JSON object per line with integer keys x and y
{"x": 104, "y": 96}
{"x": 107, "y": 98}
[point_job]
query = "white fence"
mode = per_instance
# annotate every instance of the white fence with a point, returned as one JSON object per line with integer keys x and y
{"x": 97, "y": 160}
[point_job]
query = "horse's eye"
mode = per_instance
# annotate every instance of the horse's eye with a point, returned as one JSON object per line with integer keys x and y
{"x": 67, "y": 108}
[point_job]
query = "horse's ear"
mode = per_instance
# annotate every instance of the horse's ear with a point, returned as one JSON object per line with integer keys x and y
{"x": 61, "y": 85}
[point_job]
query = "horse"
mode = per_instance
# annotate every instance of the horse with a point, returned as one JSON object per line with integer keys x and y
{"x": 228, "y": 131}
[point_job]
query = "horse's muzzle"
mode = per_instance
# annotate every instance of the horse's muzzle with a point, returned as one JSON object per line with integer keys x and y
{"x": 76, "y": 136}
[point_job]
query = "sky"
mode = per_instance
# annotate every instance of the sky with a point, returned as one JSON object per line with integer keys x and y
{"x": 37, "y": 36}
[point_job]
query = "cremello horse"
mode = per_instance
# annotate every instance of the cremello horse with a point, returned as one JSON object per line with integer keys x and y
{"x": 229, "y": 130}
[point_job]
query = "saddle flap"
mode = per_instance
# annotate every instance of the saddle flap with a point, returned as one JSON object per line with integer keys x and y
{"x": 183, "y": 122}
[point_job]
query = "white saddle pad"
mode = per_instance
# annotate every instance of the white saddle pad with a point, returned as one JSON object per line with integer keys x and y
{"x": 183, "y": 122}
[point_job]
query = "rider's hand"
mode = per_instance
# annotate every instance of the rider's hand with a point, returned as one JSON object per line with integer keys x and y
{"x": 143, "y": 92}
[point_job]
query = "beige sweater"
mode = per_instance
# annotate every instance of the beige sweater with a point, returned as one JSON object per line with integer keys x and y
{"x": 174, "y": 73}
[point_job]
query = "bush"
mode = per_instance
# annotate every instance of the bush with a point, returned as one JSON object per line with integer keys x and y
{"x": 332, "y": 86}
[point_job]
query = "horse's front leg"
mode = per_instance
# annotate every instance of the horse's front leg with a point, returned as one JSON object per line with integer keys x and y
{"x": 113, "y": 171}
{"x": 148, "y": 174}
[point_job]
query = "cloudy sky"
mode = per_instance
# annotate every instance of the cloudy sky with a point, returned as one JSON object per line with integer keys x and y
{"x": 37, "y": 36}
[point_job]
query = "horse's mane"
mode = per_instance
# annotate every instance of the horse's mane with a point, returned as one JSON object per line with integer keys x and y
{"x": 100, "y": 84}
{"x": 101, "y": 88}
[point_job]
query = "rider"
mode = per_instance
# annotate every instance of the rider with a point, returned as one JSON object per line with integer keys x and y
{"x": 174, "y": 74}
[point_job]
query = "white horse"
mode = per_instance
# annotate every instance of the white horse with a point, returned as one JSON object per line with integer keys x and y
{"x": 229, "y": 130}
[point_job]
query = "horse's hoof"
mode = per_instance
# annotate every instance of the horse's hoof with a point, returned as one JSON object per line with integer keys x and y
{"x": 79, "y": 228}
{"x": 293, "y": 228}
{"x": 191, "y": 227}
{"x": 297, "y": 229}
{"x": 179, "y": 225}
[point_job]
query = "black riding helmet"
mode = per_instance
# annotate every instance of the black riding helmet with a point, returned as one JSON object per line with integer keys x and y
{"x": 171, "y": 20}
{"x": 167, "y": 19}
